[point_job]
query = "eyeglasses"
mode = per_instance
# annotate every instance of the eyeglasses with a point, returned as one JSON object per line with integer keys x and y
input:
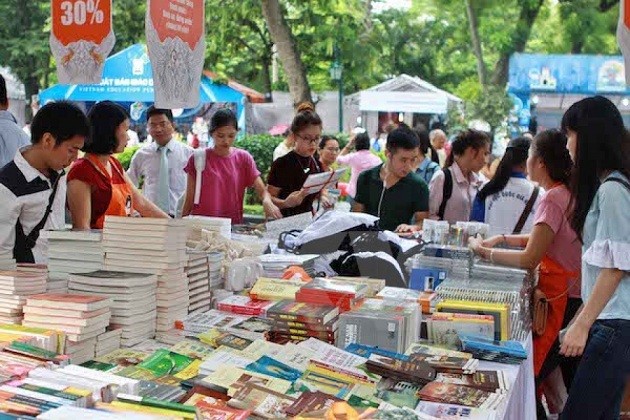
{"x": 331, "y": 149}
{"x": 314, "y": 140}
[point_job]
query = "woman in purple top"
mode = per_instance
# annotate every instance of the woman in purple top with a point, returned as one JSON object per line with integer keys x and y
{"x": 228, "y": 172}
{"x": 358, "y": 161}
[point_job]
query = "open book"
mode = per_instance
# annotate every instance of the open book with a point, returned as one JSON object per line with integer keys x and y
{"x": 318, "y": 182}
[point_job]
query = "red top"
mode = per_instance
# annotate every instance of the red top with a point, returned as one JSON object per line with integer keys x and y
{"x": 101, "y": 186}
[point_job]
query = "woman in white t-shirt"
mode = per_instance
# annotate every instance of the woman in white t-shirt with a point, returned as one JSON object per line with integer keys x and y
{"x": 509, "y": 196}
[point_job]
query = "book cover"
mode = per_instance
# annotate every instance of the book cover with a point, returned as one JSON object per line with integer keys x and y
{"x": 446, "y": 363}
{"x": 164, "y": 362}
{"x": 273, "y": 289}
{"x": 262, "y": 401}
{"x": 331, "y": 326}
{"x": 433, "y": 350}
{"x": 444, "y": 327}
{"x": 486, "y": 380}
{"x": 192, "y": 348}
{"x": 407, "y": 371}
{"x": 272, "y": 367}
{"x": 426, "y": 279}
{"x": 311, "y": 401}
{"x": 366, "y": 351}
{"x": 254, "y": 325}
{"x": 456, "y": 394}
{"x": 290, "y": 310}
{"x": 219, "y": 410}
{"x": 500, "y": 312}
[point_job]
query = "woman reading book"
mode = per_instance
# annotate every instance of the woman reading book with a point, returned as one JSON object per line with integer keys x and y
{"x": 226, "y": 172}
{"x": 288, "y": 173}
{"x": 552, "y": 246}
{"x": 600, "y": 188}
{"x": 97, "y": 184}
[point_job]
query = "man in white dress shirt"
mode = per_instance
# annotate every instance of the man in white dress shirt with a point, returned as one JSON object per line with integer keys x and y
{"x": 161, "y": 163}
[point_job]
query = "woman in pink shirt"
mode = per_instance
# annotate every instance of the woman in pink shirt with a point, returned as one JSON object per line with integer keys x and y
{"x": 358, "y": 161}
{"x": 228, "y": 172}
{"x": 552, "y": 246}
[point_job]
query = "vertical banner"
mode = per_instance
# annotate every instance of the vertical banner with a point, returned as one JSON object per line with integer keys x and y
{"x": 623, "y": 35}
{"x": 81, "y": 39}
{"x": 176, "y": 45}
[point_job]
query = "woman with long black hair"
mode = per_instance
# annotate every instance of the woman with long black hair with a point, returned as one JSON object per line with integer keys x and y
{"x": 509, "y": 201}
{"x": 600, "y": 192}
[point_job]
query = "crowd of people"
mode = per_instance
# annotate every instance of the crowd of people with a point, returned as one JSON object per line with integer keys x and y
{"x": 557, "y": 202}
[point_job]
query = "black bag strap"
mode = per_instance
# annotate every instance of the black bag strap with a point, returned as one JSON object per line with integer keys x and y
{"x": 619, "y": 181}
{"x": 526, "y": 211}
{"x": 447, "y": 191}
{"x": 32, "y": 237}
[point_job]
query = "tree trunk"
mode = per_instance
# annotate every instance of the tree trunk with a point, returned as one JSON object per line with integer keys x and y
{"x": 288, "y": 51}
{"x": 266, "y": 75}
{"x": 520, "y": 36}
{"x": 476, "y": 42}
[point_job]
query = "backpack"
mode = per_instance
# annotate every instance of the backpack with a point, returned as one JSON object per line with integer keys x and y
{"x": 447, "y": 191}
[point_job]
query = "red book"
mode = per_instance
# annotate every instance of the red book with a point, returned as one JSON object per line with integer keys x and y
{"x": 289, "y": 310}
{"x": 244, "y": 305}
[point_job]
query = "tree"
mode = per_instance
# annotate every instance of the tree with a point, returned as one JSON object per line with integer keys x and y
{"x": 25, "y": 42}
{"x": 287, "y": 51}
{"x": 476, "y": 42}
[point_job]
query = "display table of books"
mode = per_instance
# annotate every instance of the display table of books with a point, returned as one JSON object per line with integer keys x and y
{"x": 153, "y": 334}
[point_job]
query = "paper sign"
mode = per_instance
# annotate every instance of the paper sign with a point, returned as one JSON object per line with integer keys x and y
{"x": 176, "y": 45}
{"x": 81, "y": 39}
{"x": 317, "y": 182}
{"x": 623, "y": 35}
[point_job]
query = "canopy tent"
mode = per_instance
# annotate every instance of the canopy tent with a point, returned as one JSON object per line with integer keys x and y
{"x": 128, "y": 80}
{"x": 403, "y": 94}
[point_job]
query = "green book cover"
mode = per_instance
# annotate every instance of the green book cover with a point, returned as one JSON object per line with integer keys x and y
{"x": 51, "y": 392}
{"x": 96, "y": 365}
{"x": 163, "y": 362}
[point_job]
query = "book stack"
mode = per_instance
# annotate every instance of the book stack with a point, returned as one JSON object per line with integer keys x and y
{"x": 198, "y": 274}
{"x": 82, "y": 318}
{"x": 7, "y": 262}
{"x": 297, "y": 321}
{"x": 108, "y": 342}
{"x": 333, "y": 292}
{"x": 133, "y": 298}
{"x": 274, "y": 265}
{"x": 71, "y": 251}
{"x": 152, "y": 246}
{"x": 46, "y": 339}
{"x": 380, "y": 323}
{"x": 443, "y": 327}
{"x": 195, "y": 324}
{"x": 196, "y": 224}
{"x": 215, "y": 267}
{"x": 244, "y": 305}
{"x": 15, "y": 288}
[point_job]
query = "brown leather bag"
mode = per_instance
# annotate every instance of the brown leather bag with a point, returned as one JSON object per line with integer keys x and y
{"x": 540, "y": 309}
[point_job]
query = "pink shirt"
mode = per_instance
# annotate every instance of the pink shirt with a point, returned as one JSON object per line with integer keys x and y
{"x": 358, "y": 162}
{"x": 565, "y": 249}
{"x": 465, "y": 190}
{"x": 223, "y": 183}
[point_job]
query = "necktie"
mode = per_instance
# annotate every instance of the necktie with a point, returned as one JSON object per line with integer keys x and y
{"x": 163, "y": 181}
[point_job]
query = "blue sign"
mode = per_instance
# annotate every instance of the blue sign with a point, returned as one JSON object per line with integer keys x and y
{"x": 577, "y": 74}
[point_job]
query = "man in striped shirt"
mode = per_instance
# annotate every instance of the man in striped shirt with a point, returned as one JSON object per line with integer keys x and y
{"x": 33, "y": 184}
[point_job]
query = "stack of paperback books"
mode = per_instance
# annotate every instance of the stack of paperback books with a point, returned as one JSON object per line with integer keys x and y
{"x": 72, "y": 251}
{"x": 274, "y": 265}
{"x": 7, "y": 262}
{"x": 215, "y": 267}
{"x": 198, "y": 274}
{"x": 108, "y": 342}
{"x": 196, "y": 224}
{"x": 15, "y": 287}
{"x": 153, "y": 246}
{"x": 380, "y": 323}
{"x": 46, "y": 339}
{"x": 133, "y": 298}
{"x": 82, "y": 318}
{"x": 297, "y": 321}
{"x": 274, "y": 289}
{"x": 333, "y": 292}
